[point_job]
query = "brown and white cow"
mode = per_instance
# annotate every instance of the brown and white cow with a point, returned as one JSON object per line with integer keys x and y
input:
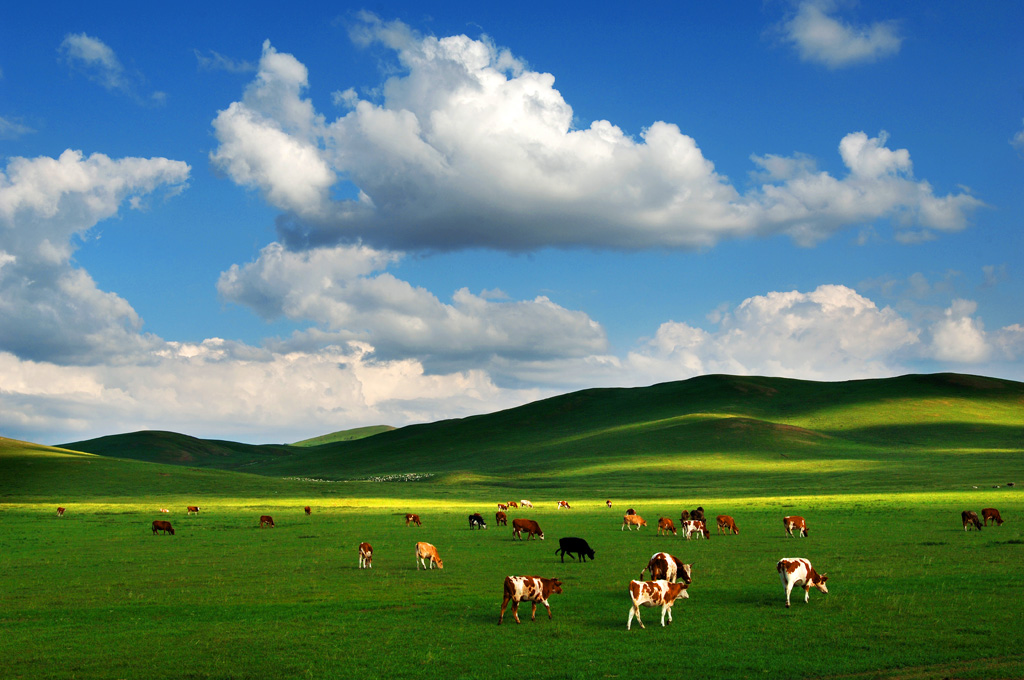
{"x": 525, "y": 503}
{"x": 665, "y": 567}
{"x": 162, "y": 525}
{"x": 608, "y": 503}
{"x": 502, "y": 506}
{"x": 727, "y": 524}
{"x": 654, "y": 594}
{"x": 425, "y": 551}
{"x": 192, "y": 508}
{"x": 970, "y": 519}
{"x": 308, "y": 510}
{"x": 631, "y": 521}
{"x": 414, "y": 519}
{"x": 991, "y": 514}
{"x": 797, "y": 571}
{"x": 527, "y": 525}
{"x": 60, "y": 512}
{"x": 666, "y": 525}
{"x": 266, "y": 521}
{"x": 164, "y": 510}
{"x": 694, "y": 526}
{"x": 564, "y": 504}
{"x": 500, "y": 519}
{"x": 531, "y": 589}
{"x": 795, "y": 522}
{"x": 365, "y": 556}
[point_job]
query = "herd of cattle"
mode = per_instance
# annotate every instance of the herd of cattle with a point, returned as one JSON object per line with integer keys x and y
{"x": 669, "y": 576}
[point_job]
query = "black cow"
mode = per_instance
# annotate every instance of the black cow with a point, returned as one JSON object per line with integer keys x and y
{"x": 572, "y": 545}
{"x": 476, "y": 521}
{"x": 697, "y": 514}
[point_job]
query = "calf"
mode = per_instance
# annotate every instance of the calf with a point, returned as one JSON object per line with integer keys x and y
{"x": 727, "y": 524}
{"x": 797, "y": 571}
{"x": 631, "y": 521}
{"x": 425, "y": 551}
{"x": 654, "y": 594}
{"x": 527, "y": 525}
{"x": 162, "y": 525}
{"x": 500, "y": 518}
{"x": 60, "y": 512}
{"x": 663, "y": 566}
{"x": 693, "y": 526}
{"x": 526, "y": 503}
{"x": 365, "y": 556}
{"x": 307, "y": 510}
{"x": 666, "y": 525}
{"x": 575, "y": 545}
{"x": 192, "y": 508}
{"x": 476, "y": 521}
{"x": 795, "y": 522}
{"x": 970, "y": 518}
{"x": 266, "y": 521}
{"x": 415, "y": 519}
{"x": 991, "y": 514}
{"x": 564, "y": 504}
{"x": 532, "y": 589}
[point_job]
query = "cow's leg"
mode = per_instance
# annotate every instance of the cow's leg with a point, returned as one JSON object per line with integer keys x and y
{"x": 807, "y": 592}
{"x": 504, "y": 603}
{"x": 515, "y": 610}
{"x": 635, "y": 611}
{"x": 548, "y": 607}
{"x": 666, "y": 609}
{"x": 789, "y": 589}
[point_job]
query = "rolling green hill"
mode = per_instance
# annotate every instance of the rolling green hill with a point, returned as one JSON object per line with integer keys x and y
{"x": 743, "y": 433}
{"x": 345, "y": 435}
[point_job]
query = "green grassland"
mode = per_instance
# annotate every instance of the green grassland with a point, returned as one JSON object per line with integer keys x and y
{"x": 880, "y": 469}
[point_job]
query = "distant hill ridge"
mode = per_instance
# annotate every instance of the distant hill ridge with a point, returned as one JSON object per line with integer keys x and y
{"x": 736, "y": 423}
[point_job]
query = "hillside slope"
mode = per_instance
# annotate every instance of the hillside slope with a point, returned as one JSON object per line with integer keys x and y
{"x": 750, "y": 432}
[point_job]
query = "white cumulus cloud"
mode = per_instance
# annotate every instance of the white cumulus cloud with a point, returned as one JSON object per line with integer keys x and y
{"x": 467, "y": 147}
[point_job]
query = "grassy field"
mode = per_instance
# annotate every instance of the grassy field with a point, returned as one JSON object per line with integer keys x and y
{"x": 881, "y": 473}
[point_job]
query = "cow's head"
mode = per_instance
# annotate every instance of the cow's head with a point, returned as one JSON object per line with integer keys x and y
{"x": 687, "y": 574}
{"x": 439, "y": 562}
{"x": 541, "y": 535}
{"x": 820, "y": 583}
{"x": 556, "y": 585}
{"x": 590, "y": 553}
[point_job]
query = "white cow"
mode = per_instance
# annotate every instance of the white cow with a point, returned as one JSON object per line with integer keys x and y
{"x": 654, "y": 594}
{"x": 797, "y": 571}
{"x": 526, "y": 504}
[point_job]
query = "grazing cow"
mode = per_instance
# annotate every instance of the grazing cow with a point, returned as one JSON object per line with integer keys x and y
{"x": 697, "y": 514}
{"x": 797, "y": 571}
{"x": 608, "y": 503}
{"x": 694, "y": 526}
{"x": 164, "y": 510}
{"x": 162, "y": 525}
{"x": 991, "y": 514}
{"x": 500, "y": 519}
{"x": 532, "y": 589}
{"x": 564, "y": 504}
{"x": 630, "y": 511}
{"x": 526, "y": 503}
{"x": 266, "y": 521}
{"x": 633, "y": 520}
{"x": 795, "y": 522}
{"x": 502, "y": 506}
{"x": 365, "y": 556}
{"x": 513, "y": 504}
{"x": 666, "y": 525}
{"x": 684, "y": 516}
{"x": 307, "y": 510}
{"x": 665, "y": 567}
{"x": 425, "y": 551}
{"x": 191, "y": 509}
{"x": 727, "y": 524}
{"x": 476, "y": 521}
{"x": 575, "y": 545}
{"x": 415, "y": 519}
{"x": 654, "y": 594}
{"x": 527, "y": 525}
{"x": 970, "y": 518}
{"x": 60, "y": 512}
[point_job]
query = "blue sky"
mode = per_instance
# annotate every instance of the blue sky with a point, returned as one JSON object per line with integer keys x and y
{"x": 264, "y": 224}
